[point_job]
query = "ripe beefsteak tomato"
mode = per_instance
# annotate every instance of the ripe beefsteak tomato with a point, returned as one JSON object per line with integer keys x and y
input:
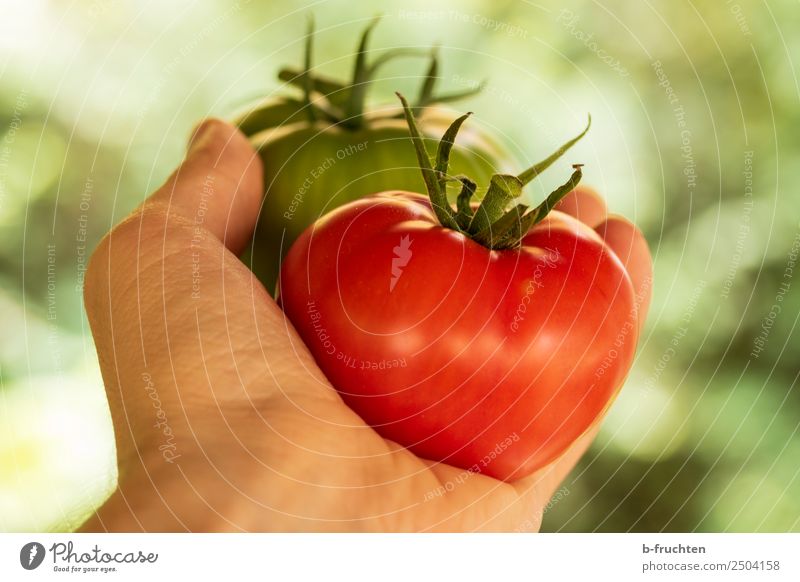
{"x": 485, "y": 338}
{"x": 327, "y": 148}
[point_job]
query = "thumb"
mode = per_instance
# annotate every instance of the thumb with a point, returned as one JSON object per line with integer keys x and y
{"x": 218, "y": 186}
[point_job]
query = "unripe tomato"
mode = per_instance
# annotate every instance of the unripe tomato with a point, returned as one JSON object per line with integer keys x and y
{"x": 327, "y": 149}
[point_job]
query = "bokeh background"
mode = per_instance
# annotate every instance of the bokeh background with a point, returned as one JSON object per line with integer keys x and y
{"x": 696, "y": 138}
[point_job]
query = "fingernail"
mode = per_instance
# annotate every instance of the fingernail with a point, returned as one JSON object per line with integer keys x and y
{"x": 201, "y": 136}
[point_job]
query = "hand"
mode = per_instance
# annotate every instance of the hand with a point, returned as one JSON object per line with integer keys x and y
{"x": 223, "y": 421}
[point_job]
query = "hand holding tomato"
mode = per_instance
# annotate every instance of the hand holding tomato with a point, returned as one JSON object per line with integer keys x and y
{"x": 263, "y": 441}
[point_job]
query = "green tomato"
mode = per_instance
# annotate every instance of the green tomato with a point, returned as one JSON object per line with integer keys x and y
{"x": 327, "y": 148}
{"x": 310, "y": 169}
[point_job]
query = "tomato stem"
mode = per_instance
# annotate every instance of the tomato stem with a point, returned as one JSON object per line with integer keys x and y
{"x": 343, "y": 103}
{"x": 536, "y": 169}
{"x": 308, "y": 84}
{"x": 358, "y": 87}
{"x": 503, "y": 188}
{"x": 334, "y": 91}
{"x": 436, "y": 192}
{"x": 463, "y": 207}
{"x": 426, "y": 91}
{"x": 492, "y": 224}
{"x": 445, "y": 146}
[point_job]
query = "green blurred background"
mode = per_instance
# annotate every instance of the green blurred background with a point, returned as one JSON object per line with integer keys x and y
{"x": 696, "y": 138}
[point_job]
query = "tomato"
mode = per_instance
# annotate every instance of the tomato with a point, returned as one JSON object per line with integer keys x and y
{"x": 492, "y": 352}
{"x": 327, "y": 149}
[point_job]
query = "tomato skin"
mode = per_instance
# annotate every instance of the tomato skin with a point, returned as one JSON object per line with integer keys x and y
{"x": 492, "y": 361}
{"x": 310, "y": 169}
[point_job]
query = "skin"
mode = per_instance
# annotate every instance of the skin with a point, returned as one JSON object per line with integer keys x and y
{"x": 246, "y": 433}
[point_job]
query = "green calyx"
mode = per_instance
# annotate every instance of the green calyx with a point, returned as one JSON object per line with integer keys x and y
{"x": 492, "y": 224}
{"x": 343, "y": 103}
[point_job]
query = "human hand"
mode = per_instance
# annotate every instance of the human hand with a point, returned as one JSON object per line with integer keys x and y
{"x": 223, "y": 421}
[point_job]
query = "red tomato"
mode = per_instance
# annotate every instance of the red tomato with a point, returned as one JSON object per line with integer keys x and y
{"x": 494, "y": 361}
{"x": 488, "y": 360}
